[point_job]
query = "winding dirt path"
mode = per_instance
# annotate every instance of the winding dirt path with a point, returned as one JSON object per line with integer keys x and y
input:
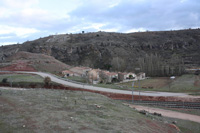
{"x": 167, "y": 113}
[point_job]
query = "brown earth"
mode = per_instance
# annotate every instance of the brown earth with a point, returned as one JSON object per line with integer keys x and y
{"x": 25, "y": 61}
{"x": 20, "y": 66}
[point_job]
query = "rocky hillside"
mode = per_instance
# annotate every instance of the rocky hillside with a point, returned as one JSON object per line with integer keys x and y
{"x": 157, "y": 53}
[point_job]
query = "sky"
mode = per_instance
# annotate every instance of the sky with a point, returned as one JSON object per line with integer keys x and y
{"x": 25, "y": 20}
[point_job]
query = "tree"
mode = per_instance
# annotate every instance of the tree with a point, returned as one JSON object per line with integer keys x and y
{"x": 197, "y": 72}
{"x": 4, "y": 80}
{"x": 118, "y": 64}
{"x": 130, "y": 76}
{"x": 154, "y": 65}
{"x": 47, "y": 80}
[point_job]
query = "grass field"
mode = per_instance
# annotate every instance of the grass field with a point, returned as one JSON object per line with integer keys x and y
{"x": 47, "y": 110}
{"x": 78, "y": 79}
{"x": 184, "y": 125}
{"x": 112, "y": 86}
{"x": 186, "y": 83}
{"x": 21, "y": 78}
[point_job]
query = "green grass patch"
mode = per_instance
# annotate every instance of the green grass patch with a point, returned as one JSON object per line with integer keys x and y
{"x": 187, "y": 83}
{"x": 195, "y": 93}
{"x": 112, "y": 86}
{"x": 16, "y": 78}
{"x": 78, "y": 79}
{"x": 5, "y": 128}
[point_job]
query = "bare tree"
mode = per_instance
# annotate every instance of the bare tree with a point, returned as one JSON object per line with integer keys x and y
{"x": 118, "y": 64}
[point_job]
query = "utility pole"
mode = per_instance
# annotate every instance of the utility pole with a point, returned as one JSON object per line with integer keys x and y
{"x": 139, "y": 86}
{"x": 132, "y": 92}
{"x": 139, "y": 89}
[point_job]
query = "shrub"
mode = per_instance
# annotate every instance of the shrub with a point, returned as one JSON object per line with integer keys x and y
{"x": 4, "y": 80}
{"x": 47, "y": 80}
{"x": 130, "y": 76}
{"x": 197, "y": 72}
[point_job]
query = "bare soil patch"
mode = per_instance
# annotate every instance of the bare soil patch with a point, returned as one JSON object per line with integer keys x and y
{"x": 19, "y": 66}
{"x": 168, "y": 113}
{"x": 25, "y": 61}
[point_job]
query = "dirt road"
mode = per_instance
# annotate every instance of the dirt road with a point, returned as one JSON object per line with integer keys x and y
{"x": 168, "y": 113}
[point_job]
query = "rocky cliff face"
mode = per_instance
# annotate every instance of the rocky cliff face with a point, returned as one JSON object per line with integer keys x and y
{"x": 166, "y": 52}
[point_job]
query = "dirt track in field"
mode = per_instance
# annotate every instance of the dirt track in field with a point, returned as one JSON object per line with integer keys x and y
{"x": 168, "y": 113}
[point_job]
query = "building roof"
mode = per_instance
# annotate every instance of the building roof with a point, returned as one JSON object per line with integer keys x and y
{"x": 67, "y": 71}
{"x": 109, "y": 73}
{"x": 124, "y": 73}
{"x": 96, "y": 70}
{"x": 81, "y": 68}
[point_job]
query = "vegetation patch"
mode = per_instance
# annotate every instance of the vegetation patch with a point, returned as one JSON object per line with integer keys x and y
{"x": 186, "y": 83}
{"x": 46, "y": 110}
{"x": 78, "y": 79}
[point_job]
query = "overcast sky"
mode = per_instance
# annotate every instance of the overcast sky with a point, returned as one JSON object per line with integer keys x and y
{"x": 22, "y": 20}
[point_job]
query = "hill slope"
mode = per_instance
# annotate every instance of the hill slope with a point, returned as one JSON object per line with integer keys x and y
{"x": 42, "y": 110}
{"x": 156, "y": 53}
{"x": 25, "y": 61}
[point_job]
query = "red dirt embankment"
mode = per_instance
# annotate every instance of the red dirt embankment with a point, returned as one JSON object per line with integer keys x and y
{"x": 20, "y": 66}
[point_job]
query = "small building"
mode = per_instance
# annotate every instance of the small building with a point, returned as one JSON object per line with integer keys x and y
{"x": 109, "y": 77}
{"x": 93, "y": 76}
{"x": 126, "y": 76}
{"x": 80, "y": 71}
{"x": 141, "y": 76}
{"x": 131, "y": 76}
{"x": 122, "y": 76}
{"x": 67, "y": 73}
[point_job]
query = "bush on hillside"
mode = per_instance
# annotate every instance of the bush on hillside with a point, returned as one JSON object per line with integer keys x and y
{"x": 47, "y": 80}
{"x": 4, "y": 80}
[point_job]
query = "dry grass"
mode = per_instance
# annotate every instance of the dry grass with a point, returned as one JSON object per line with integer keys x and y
{"x": 186, "y": 83}
{"x": 41, "y": 110}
